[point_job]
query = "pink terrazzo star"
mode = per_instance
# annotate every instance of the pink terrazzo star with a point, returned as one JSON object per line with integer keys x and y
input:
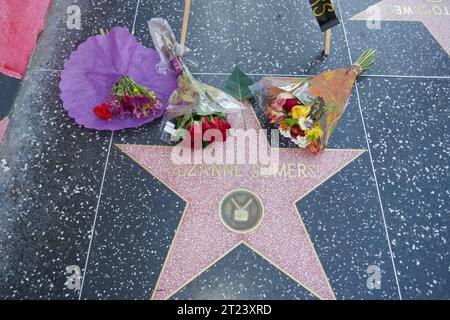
{"x": 281, "y": 237}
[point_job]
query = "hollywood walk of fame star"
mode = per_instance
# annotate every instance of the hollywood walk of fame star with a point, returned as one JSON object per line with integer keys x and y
{"x": 434, "y": 14}
{"x": 267, "y": 204}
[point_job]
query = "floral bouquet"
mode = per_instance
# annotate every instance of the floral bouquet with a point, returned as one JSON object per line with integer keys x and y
{"x": 307, "y": 111}
{"x": 194, "y": 107}
{"x": 128, "y": 99}
{"x": 111, "y": 82}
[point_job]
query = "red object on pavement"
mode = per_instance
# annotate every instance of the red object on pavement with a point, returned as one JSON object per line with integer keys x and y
{"x": 21, "y": 21}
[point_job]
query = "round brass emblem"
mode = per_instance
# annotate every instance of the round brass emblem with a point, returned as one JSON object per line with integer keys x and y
{"x": 241, "y": 210}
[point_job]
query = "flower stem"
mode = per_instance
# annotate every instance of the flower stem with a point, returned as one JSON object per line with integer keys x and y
{"x": 366, "y": 60}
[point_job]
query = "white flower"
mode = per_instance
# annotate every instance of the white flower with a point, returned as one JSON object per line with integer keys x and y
{"x": 301, "y": 142}
{"x": 285, "y": 133}
{"x": 305, "y": 123}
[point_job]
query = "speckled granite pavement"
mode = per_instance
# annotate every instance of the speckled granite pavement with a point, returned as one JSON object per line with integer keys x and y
{"x": 72, "y": 198}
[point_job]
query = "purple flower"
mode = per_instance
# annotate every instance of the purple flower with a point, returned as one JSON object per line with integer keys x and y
{"x": 115, "y": 106}
{"x": 139, "y": 101}
{"x": 138, "y": 107}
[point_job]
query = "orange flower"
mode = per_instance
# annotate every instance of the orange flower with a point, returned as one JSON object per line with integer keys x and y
{"x": 283, "y": 125}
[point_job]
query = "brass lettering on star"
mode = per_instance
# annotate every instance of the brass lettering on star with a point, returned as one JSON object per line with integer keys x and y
{"x": 285, "y": 170}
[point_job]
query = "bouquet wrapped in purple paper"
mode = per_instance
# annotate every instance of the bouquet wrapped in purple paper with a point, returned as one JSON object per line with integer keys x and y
{"x": 111, "y": 82}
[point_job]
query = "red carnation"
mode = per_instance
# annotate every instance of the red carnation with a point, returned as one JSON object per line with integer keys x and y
{"x": 289, "y": 104}
{"x": 102, "y": 111}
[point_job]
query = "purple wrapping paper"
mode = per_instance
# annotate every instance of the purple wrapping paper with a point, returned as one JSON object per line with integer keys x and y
{"x": 101, "y": 61}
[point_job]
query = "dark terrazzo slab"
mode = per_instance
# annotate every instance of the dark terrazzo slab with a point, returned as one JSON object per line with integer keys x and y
{"x": 137, "y": 220}
{"x": 345, "y": 205}
{"x": 408, "y": 125}
{"x": 51, "y": 169}
{"x": 241, "y": 275}
{"x": 403, "y": 48}
{"x": 58, "y": 41}
{"x": 170, "y": 10}
{"x": 265, "y": 37}
{"x": 49, "y": 182}
{"x": 8, "y": 90}
{"x": 343, "y": 218}
{"x": 136, "y": 223}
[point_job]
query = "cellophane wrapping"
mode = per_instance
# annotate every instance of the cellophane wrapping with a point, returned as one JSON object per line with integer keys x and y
{"x": 192, "y": 97}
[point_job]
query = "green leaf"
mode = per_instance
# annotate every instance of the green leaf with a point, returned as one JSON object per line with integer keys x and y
{"x": 291, "y": 122}
{"x": 237, "y": 85}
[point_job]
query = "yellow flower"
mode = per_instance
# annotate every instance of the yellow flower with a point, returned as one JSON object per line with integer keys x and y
{"x": 135, "y": 91}
{"x": 315, "y": 133}
{"x": 300, "y": 111}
